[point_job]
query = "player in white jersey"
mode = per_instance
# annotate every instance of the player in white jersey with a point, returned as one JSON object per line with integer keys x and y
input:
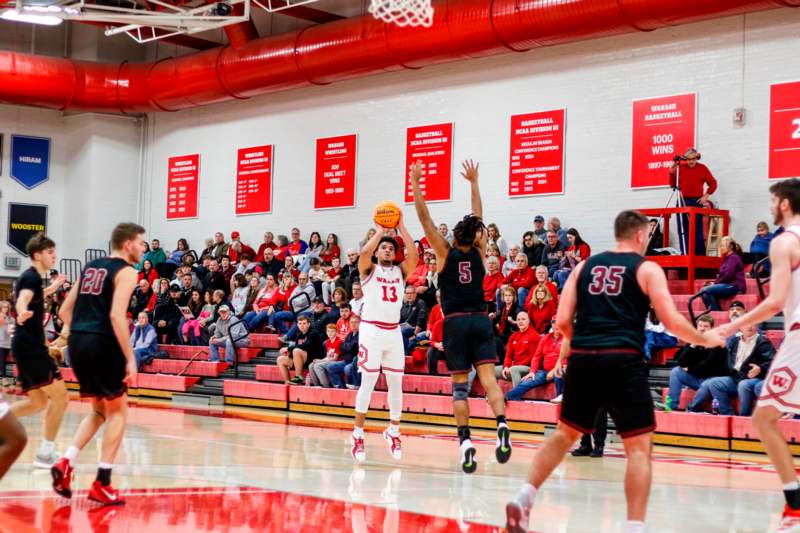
{"x": 781, "y": 392}
{"x": 379, "y": 338}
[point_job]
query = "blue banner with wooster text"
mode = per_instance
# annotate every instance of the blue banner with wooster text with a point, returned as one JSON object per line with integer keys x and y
{"x": 30, "y": 160}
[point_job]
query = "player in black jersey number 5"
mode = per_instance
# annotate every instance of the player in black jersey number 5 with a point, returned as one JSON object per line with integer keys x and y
{"x": 467, "y": 331}
{"x": 602, "y": 313}
{"x": 102, "y": 357}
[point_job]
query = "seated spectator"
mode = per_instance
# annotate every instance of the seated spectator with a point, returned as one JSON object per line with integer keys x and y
{"x": 239, "y": 294}
{"x": 505, "y": 318}
{"x": 427, "y": 291}
{"x": 656, "y": 335}
{"x": 318, "y": 369}
{"x": 339, "y": 299}
{"x": 186, "y": 285}
{"x": 577, "y": 251}
{"x": 313, "y": 251}
{"x": 542, "y": 309}
{"x": 521, "y": 279}
{"x": 269, "y": 242}
{"x": 343, "y": 322}
{"x": 696, "y": 364}
{"x": 554, "y": 224}
{"x": 552, "y": 253}
{"x": 144, "y": 341}
{"x": 348, "y": 361}
{"x": 413, "y": 318}
{"x": 656, "y": 238}
{"x": 214, "y": 280}
{"x": 239, "y": 248}
{"x": 538, "y": 229}
{"x": 331, "y": 250}
{"x": 418, "y": 277}
{"x": 230, "y": 333}
{"x": 219, "y": 247}
{"x": 532, "y": 247}
{"x": 730, "y": 280}
{"x": 330, "y": 279}
{"x": 542, "y": 366}
{"x": 156, "y": 255}
{"x": 493, "y": 237}
{"x": 435, "y": 330}
{"x": 162, "y": 290}
{"x": 540, "y": 273}
{"x": 190, "y": 326}
{"x": 492, "y": 282}
{"x": 209, "y": 249}
{"x": 228, "y": 270}
{"x": 511, "y": 260}
{"x": 519, "y": 351}
{"x": 143, "y": 299}
{"x": 289, "y": 268}
{"x": 175, "y": 258}
{"x": 254, "y": 284}
{"x": 219, "y": 299}
{"x": 759, "y": 247}
{"x": 494, "y": 251}
{"x": 748, "y": 357}
{"x": 282, "y": 249}
{"x": 148, "y": 272}
{"x": 245, "y": 264}
{"x": 365, "y": 240}
{"x": 749, "y": 390}
{"x": 318, "y": 317}
{"x": 167, "y": 315}
{"x": 300, "y": 354}
{"x": 298, "y": 304}
{"x": 297, "y": 246}
{"x": 269, "y": 264}
{"x": 357, "y": 302}
{"x": 316, "y": 276}
{"x": 349, "y": 272}
{"x": 263, "y": 305}
{"x": 200, "y": 269}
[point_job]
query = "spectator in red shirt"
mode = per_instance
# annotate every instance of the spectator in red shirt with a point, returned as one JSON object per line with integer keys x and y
{"x": 331, "y": 277}
{"x": 281, "y": 251}
{"x": 696, "y": 184}
{"x": 541, "y": 309}
{"x": 543, "y": 366}
{"x": 330, "y": 250}
{"x": 297, "y": 246}
{"x": 419, "y": 277}
{"x": 263, "y": 305}
{"x": 148, "y": 272}
{"x": 492, "y": 282}
{"x": 519, "y": 351}
{"x": 577, "y": 251}
{"x": 239, "y": 248}
{"x": 343, "y": 324}
{"x": 268, "y": 243}
{"x": 541, "y": 279}
{"x": 521, "y": 278}
{"x": 435, "y": 325}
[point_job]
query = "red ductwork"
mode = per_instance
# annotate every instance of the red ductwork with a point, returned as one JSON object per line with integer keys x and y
{"x": 341, "y": 50}
{"x": 241, "y": 33}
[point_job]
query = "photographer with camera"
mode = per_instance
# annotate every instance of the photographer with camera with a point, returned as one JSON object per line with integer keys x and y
{"x": 695, "y": 183}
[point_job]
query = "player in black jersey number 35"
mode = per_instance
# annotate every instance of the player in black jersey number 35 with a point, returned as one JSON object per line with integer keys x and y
{"x": 102, "y": 357}
{"x": 602, "y": 313}
{"x": 467, "y": 331}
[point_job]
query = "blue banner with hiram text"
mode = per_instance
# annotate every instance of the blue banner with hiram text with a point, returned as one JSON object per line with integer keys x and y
{"x": 30, "y": 160}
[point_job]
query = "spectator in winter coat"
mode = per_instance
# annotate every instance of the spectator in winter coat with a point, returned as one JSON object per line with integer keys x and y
{"x": 552, "y": 253}
{"x": 269, "y": 264}
{"x": 730, "y": 279}
{"x": 144, "y": 339}
{"x": 759, "y": 247}
{"x": 532, "y": 246}
{"x": 143, "y": 299}
{"x": 230, "y": 333}
{"x": 349, "y": 272}
{"x": 214, "y": 280}
{"x": 167, "y": 315}
{"x": 542, "y": 365}
{"x": 519, "y": 351}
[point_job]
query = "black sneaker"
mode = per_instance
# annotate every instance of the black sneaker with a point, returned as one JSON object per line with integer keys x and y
{"x": 582, "y": 451}
{"x": 503, "y": 448}
{"x": 468, "y": 462}
{"x": 597, "y": 452}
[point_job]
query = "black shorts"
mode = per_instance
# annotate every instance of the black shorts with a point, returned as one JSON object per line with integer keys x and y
{"x": 99, "y": 365}
{"x": 468, "y": 341}
{"x": 35, "y": 366}
{"x": 614, "y": 379}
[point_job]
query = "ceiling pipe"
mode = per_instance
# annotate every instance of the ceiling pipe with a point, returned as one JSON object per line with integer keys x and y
{"x": 241, "y": 33}
{"x": 341, "y": 50}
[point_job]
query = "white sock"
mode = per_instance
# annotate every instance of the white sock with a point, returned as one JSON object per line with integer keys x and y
{"x": 358, "y": 432}
{"x": 635, "y": 526}
{"x": 526, "y": 495}
{"x": 792, "y": 485}
{"x": 394, "y": 430}
{"x": 71, "y": 454}
{"x": 47, "y": 447}
{"x": 105, "y": 466}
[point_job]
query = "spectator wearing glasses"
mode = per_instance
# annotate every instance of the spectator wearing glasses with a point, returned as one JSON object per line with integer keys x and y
{"x": 552, "y": 253}
{"x": 297, "y": 246}
{"x": 532, "y": 247}
{"x": 510, "y": 262}
{"x": 270, "y": 264}
{"x": 554, "y": 224}
{"x": 522, "y": 278}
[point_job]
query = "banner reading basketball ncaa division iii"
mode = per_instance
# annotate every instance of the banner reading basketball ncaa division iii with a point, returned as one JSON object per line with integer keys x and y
{"x": 662, "y": 128}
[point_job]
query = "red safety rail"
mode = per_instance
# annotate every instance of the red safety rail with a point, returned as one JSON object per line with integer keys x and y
{"x": 690, "y": 262}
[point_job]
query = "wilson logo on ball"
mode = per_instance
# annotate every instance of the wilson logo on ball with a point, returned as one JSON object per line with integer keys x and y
{"x": 387, "y": 215}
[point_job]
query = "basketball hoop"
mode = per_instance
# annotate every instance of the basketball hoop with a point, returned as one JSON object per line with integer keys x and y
{"x": 403, "y": 12}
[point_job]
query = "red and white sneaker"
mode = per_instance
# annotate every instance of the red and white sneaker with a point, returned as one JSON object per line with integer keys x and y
{"x": 106, "y": 495}
{"x": 790, "y": 521}
{"x": 357, "y": 451}
{"x": 62, "y": 473}
{"x": 394, "y": 444}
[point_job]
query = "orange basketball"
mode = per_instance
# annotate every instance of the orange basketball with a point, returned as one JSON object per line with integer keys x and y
{"x": 387, "y": 215}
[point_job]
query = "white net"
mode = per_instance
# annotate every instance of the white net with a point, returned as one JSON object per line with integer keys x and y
{"x": 403, "y": 12}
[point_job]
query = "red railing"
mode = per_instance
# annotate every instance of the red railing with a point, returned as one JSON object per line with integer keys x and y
{"x": 690, "y": 262}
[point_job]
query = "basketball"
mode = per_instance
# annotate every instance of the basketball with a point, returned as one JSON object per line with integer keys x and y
{"x": 387, "y": 215}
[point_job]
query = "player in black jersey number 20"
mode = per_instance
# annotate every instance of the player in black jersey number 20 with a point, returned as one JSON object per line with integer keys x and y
{"x": 102, "y": 357}
{"x": 467, "y": 332}
{"x": 601, "y": 313}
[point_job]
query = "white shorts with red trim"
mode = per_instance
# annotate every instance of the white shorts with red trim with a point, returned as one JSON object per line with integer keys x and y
{"x": 380, "y": 348}
{"x": 782, "y": 385}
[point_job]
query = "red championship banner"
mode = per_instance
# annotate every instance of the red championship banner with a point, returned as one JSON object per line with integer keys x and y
{"x": 662, "y": 128}
{"x": 537, "y": 154}
{"x": 183, "y": 177}
{"x": 254, "y": 180}
{"x": 335, "y": 184}
{"x": 784, "y": 130}
{"x": 433, "y": 145}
